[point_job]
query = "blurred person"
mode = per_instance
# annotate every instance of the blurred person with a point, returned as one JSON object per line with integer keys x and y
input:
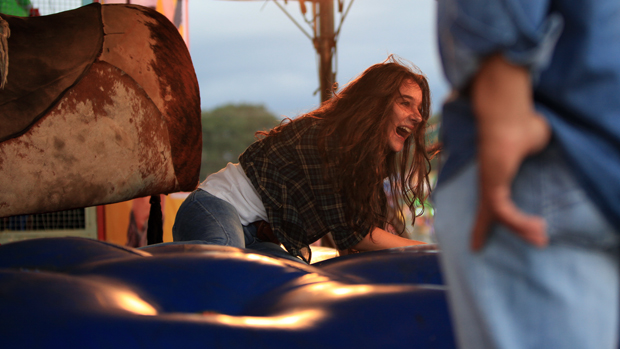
{"x": 528, "y": 200}
{"x": 322, "y": 173}
{"x": 139, "y": 220}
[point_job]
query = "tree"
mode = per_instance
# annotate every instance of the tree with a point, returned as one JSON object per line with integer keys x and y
{"x": 228, "y": 130}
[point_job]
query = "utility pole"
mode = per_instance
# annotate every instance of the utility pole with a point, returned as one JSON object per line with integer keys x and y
{"x": 324, "y": 46}
{"x": 324, "y": 36}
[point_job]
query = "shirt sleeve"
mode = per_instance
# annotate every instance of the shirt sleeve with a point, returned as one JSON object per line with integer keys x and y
{"x": 523, "y": 31}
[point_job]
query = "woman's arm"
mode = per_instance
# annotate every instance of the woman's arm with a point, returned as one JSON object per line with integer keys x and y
{"x": 381, "y": 239}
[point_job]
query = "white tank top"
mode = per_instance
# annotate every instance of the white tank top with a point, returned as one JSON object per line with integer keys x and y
{"x": 233, "y": 186}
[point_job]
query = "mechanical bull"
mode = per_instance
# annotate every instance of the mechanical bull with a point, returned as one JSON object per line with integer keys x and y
{"x": 100, "y": 105}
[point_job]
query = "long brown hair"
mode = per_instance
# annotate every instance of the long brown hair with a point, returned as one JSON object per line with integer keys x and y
{"x": 358, "y": 118}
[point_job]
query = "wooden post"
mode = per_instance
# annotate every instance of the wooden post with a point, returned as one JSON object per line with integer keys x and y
{"x": 325, "y": 45}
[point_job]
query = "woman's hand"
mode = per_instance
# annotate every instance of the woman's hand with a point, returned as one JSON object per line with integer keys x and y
{"x": 509, "y": 129}
{"x": 380, "y": 239}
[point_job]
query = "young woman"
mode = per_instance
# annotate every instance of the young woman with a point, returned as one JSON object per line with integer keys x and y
{"x": 322, "y": 172}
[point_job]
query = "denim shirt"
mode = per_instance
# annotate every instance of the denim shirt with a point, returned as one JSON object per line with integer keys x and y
{"x": 572, "y": 49}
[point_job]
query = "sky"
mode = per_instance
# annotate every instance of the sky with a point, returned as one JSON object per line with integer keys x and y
{"x": 251, "y": 52}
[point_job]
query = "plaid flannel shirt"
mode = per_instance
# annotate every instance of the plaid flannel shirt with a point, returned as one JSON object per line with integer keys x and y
{"x": 287, "y": 171}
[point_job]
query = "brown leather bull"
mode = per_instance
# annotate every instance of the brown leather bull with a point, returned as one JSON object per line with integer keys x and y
{"x": 101, "y": 105}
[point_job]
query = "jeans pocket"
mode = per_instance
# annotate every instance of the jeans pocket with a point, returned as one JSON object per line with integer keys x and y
{"x": 554, "y": 193}
{"x": 574, "y": 219}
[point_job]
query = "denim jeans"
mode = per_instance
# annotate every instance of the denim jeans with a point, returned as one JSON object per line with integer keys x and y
{"x": 211, "y": 220}
{"x": 514, "y": 295}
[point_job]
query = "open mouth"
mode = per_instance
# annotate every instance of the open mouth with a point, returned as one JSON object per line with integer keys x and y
{"x": 403, "y": 131}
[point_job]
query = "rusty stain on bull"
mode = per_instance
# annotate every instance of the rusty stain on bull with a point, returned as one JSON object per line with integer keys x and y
{"x": 59, "y": 144}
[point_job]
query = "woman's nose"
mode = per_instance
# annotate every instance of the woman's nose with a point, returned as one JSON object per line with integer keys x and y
{"x": 416, "y": 117}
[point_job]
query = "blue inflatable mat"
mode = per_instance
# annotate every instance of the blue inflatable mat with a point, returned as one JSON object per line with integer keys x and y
{"x": 81, "y": 293}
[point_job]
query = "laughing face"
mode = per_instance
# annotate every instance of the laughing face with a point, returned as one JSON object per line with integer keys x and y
{"x": 405, "y": 115}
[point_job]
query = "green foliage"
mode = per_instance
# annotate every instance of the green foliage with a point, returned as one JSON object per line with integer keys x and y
{"x": 15, "y": 7}
{"x": 228, "y": 130}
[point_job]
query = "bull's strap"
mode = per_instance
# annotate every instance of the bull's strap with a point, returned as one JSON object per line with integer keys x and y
{"x": 47, "y": 55}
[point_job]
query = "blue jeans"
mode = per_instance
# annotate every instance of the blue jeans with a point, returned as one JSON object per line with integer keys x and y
{"x": 513, "y": 295}
{"x": 211, "y": 220}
